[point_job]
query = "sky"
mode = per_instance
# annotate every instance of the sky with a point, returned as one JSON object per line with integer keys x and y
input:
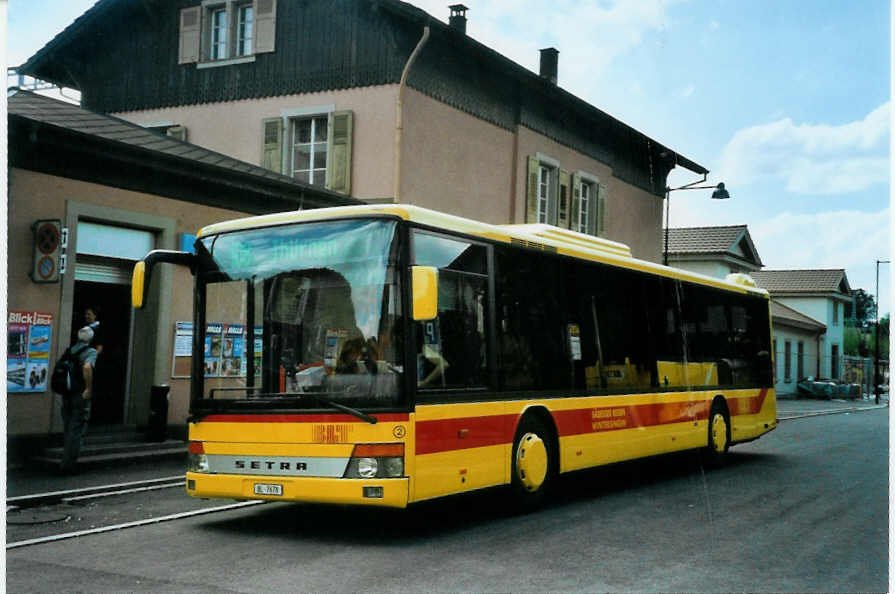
{"x": 787, "y": 102}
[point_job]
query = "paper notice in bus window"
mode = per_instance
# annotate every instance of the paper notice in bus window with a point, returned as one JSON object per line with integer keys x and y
{"x": 574, "y": 342}
{"x": 334, "y": 340}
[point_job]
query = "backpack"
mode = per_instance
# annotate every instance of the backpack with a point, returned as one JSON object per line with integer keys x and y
{"x": 67, "y": 378}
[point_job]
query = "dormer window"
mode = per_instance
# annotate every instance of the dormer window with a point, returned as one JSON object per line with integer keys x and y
{"x": 223, "y": 32}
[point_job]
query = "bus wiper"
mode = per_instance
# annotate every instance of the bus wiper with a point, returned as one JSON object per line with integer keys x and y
{"x": 351, "y": 411}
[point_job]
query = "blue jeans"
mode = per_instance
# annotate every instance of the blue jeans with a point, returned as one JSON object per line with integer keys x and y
{"x": 75, "y": 414}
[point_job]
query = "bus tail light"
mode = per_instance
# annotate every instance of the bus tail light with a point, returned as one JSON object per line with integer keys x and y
{"x": 196, "y": 459}
{"x": 376, "y": 460}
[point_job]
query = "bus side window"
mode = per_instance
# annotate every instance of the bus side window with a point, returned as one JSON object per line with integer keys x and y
{"x": 451, "y": 349}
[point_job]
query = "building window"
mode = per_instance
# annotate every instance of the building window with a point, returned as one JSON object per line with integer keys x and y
{"x": 787, "y": 361}
{"x": 800, "y": 360}
{"x": 222, "y": 32}
{"x": 246, "y": 18}
{"x": 545, "y": 186}
{"x": 586, "y": 208}
{"x": 834, "y": 361}
{"x": 308, "y": 149}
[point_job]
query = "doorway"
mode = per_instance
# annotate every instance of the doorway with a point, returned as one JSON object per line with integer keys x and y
{"x": 112, "y": 303}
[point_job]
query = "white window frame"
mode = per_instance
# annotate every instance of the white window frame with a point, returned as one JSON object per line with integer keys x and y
{"x": 587, "y": 205}
{"x": 545, "y": 180}
{"x": 245, "y": 29}
{"x": 221, "y": 44}
{"x": 290, "y": 118}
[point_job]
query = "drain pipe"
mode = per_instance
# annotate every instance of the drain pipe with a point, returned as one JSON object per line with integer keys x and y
{"x": 399, "y": 109}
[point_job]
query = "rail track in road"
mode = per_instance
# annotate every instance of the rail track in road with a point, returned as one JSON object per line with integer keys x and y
{"x": 53, "y": 508}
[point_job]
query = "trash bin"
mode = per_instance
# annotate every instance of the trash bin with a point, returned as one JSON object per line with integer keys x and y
{"x": 158, "y": 413}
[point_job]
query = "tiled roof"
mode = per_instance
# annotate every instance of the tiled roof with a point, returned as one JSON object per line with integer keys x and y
{"x": 72, "y": 117}
{"x": 802, "y": 281}
{"x": 711, "y": 240}
{"x": 784, "y": 314}
{"x": 703, "y": 240}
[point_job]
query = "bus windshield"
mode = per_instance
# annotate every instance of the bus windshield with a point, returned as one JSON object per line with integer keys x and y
{"x": 300, "y": 316}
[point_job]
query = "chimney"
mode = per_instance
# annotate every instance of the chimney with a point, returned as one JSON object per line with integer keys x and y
{"x": 549, "y": 63}
{"x": 458, "y": 17}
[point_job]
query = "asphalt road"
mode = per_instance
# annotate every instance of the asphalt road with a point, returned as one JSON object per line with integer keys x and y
{"x": 803, "y": 509}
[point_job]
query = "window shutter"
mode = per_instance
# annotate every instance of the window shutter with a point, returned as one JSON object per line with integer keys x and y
{"x": 272, "y": 144}
{"x": 601, "y": 210}
{"x": 190, "y": 34}
{"x": 593, "y": 210}
{"x": 563, "y": 200}
{"x": 576, "y": 201}
{"x": 265, "y": 25}
{"x": 531, "y": 196}
{"x": 338, "y": 158}
{"x": 178, "y": 132}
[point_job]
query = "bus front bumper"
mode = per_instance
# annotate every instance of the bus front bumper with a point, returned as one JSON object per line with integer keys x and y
{"x": 392, "y": 492}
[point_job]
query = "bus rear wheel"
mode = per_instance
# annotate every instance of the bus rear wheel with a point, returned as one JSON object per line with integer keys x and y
{"x": 719, "y": 434}
{"x": 534, "y": 462}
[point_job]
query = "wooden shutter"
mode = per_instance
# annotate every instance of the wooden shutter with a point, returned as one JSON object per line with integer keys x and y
{"x": 531, "y": 195}
{"x": 562, "y": 218}
{"x": 601, "y": 210}
{"x": 178, "y": 132}
{"x": 272, "y": 144}
{"x": 576, "y": 201}
{"x": 338, "y": 158}
{"x": 265, "y": 25}
{"x": 190, "y": 34}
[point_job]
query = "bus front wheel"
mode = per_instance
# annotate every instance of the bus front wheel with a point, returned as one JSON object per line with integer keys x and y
{"x": 533, "y": 462}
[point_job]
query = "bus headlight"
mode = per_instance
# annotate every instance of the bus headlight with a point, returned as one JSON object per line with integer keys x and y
{"x": 367, "y": 467}
{"x": 376, "y": 461}
{"x": 197, "y": 461}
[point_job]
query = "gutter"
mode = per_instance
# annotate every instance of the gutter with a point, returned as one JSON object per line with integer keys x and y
{"x": 399, "y": 112}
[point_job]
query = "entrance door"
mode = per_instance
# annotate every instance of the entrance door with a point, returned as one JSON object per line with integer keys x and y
{"x": 105, "y": 261}
{"x": 112, "y": 304}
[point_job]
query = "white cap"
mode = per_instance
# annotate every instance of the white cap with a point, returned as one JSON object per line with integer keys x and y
{"x": 85, "y": 334}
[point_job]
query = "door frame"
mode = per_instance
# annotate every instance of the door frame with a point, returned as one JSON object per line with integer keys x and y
{"x": 156, "y": 317}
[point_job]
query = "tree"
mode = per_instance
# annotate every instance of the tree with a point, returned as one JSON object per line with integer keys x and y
{"x": 864, "y": 310}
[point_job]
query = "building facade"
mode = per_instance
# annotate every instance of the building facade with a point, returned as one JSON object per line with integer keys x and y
{"x": 375, "y": 99}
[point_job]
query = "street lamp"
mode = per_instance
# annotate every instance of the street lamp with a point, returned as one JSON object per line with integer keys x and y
{"x": 876, "y": 347}
{"x": 720, "y": 193}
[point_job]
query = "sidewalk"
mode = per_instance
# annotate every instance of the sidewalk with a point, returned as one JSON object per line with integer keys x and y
{"x": 125, "y": 469}
{"x": 796, "y": 408}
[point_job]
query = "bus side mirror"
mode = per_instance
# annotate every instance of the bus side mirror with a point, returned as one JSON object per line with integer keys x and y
{"x": 143, "y": 270}
{"x": 425, "y": 293}
{"x": 137, "y": 285}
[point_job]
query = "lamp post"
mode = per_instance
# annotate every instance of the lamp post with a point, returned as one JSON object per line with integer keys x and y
{"x": 720, "y": 193}
{"x": 876, "y": 341}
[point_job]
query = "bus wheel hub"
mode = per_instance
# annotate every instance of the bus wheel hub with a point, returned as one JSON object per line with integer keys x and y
{"x": 531, "y": 461}
{"x": 719, "y": 433}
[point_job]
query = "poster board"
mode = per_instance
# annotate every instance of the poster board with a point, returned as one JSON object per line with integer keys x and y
{"x": 29, "y": 336}
{"x": 225, "y": 353}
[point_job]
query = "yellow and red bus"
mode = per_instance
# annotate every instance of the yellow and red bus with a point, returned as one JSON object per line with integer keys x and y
{"x": 389, "y": 354}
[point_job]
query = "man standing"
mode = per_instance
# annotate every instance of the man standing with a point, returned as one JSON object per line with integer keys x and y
{"x": 76, "y": 407}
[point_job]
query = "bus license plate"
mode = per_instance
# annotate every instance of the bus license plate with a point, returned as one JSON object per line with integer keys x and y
{"x": 268, "y": 489}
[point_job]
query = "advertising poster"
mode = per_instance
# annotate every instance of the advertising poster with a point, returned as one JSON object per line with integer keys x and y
{"x": 29, "y": 335}
{"x": 225, "y": 353}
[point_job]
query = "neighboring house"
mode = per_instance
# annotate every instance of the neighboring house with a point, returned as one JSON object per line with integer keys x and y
{"x": 713, "y": 251}
{"x": 798, "y": 347}
{"x": 821, "y": 295}
{"x": 119, "y": 190}
{"x": 371, "y": 98}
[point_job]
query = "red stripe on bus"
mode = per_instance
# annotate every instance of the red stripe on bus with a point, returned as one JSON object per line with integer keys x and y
{"x": 334, "y": 418}
{"x": 459, "y": 434}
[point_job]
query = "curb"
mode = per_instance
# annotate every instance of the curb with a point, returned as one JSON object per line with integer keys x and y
{"x": 837, "y": 411}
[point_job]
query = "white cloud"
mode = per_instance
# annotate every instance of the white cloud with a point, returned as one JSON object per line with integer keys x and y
{"x": 686, "y": 92}
{"x": 847, "y": 239}
{"x": 811, "y": 158}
